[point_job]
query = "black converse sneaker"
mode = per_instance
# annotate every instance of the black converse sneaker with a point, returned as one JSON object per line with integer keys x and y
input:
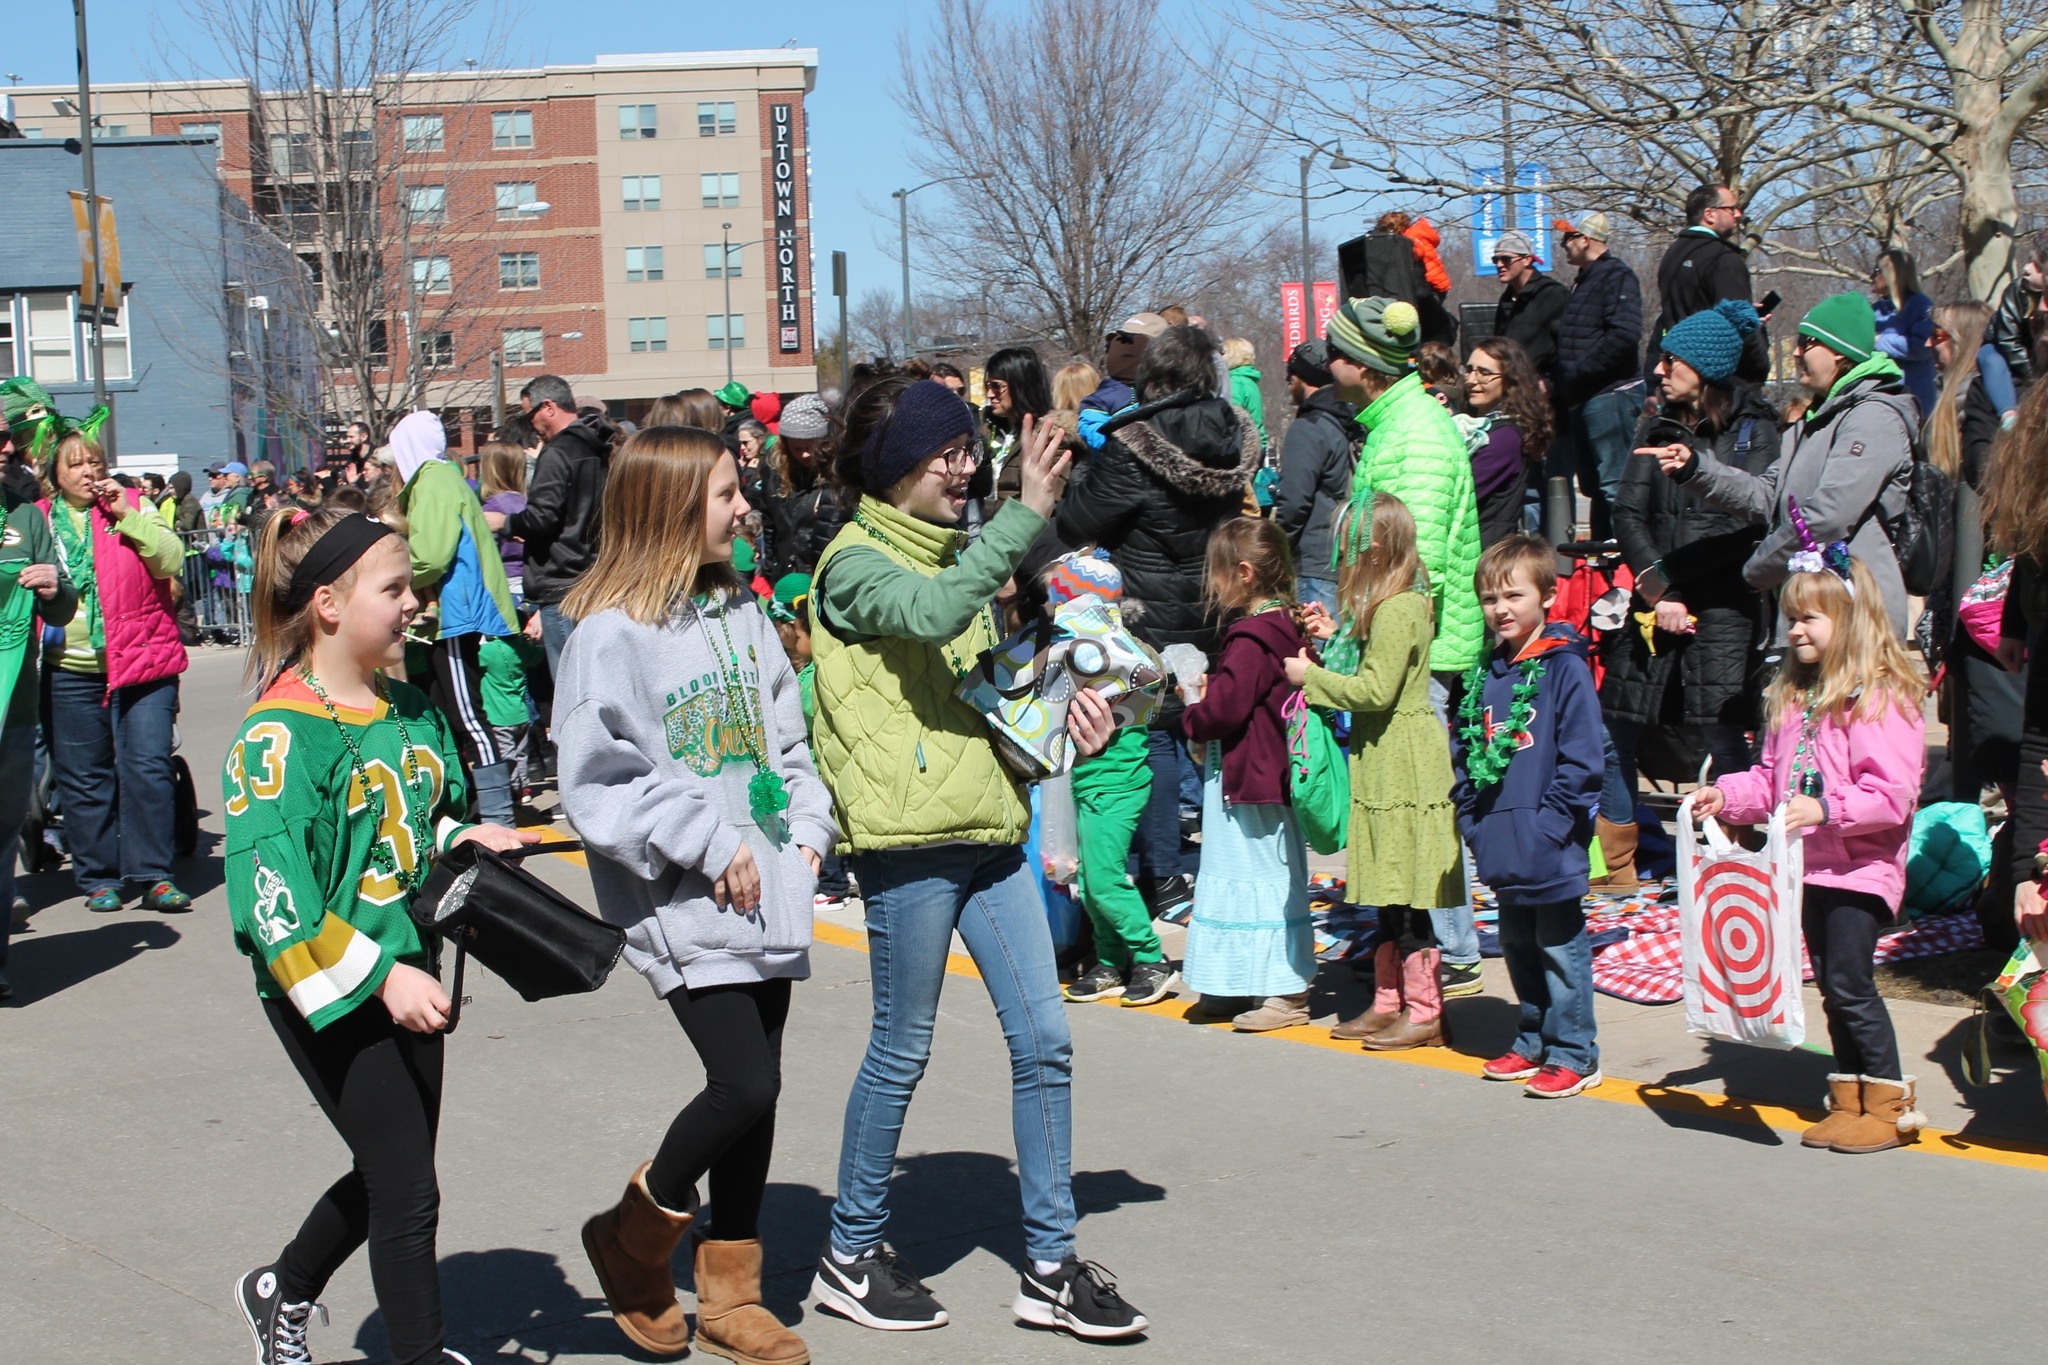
{"x": 279, "y": 1327}
{"x": 1081, "y": 1297}
{"x": 878, "y": 1290}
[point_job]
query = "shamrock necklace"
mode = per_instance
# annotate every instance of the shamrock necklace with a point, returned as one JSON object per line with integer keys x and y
{"x": 383, "y": 856}
{"x": 1487, "y": 755}
{"x": 767, "y": 794}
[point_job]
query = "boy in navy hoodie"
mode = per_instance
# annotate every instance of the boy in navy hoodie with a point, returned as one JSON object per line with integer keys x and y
{"x": 1529, "y": 758}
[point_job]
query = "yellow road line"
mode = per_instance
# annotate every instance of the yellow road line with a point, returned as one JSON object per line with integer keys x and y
{"x": 1730, "y": 1109}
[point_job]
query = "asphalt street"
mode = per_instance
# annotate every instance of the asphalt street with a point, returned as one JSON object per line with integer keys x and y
{"x": 1261, "y": 1198}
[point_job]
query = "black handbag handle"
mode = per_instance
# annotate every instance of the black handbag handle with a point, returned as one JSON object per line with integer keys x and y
{"x": 529, "y": 850}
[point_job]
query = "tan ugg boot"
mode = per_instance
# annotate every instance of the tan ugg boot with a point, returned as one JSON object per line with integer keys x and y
{"x": 1618, "y": 849}
{"x": 630, "y": 1245}
{"x": 1845, "y": 1104}
{"x": 730, "y": 1319}
{"x": 1888, "y": 1118}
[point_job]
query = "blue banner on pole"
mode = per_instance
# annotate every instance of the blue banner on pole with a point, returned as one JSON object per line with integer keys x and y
{"x": 1532, "y": 213}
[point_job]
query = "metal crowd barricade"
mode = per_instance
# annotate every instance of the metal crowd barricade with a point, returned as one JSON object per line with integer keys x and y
{"x": 218, "y": 567}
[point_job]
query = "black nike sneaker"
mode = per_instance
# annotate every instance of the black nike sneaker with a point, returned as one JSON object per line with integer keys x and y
{"x": 878, "y": 1290}
{"x": 279, "y": 1327}
{"x": 1081, "y": 1297}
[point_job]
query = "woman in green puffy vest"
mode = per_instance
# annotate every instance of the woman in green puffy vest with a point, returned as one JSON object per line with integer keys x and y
{"x": 902, "y": 605}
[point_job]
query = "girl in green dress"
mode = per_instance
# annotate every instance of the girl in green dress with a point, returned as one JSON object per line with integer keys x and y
{"x": 1402, "y": 850}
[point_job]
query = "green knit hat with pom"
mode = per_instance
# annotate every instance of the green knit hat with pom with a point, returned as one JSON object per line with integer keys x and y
{"x": 1380, "y": 334}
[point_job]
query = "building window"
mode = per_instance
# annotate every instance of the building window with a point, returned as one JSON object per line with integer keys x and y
{"x": 437, "y": 350}
{"x": 431, "y": 275}
{"x": 514, "y": 196}
{"x": 114, "y": 343}
{"x": 522, "y": 346}
{"x": 643, "y": 264}
{"x": 114, "y": 130}
{"x": 647, "y": 334}
{"x": 518, "y": 270}
{"x": 425, "y": 133}
{"x": 720, "y": 191}
{"x": 636, "y": 120}
{"x": 719, "y": 263}
{"x": 52, "y": 339}
{"x": 426, "y": 204}
{"x": 512, "y": 128}
{"x": 377, "y": 337}
{"x": 211, "y": 130}
{"x": 643, "y": 192}
{"x": 717, "y": 120}
{"x": 726, "y": 332}
{"x": 7, "y": 337}
{"x": 358, "y": 150}
{"x": 291, "y": 154}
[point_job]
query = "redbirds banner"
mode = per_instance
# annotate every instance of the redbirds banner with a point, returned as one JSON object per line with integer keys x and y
{"x": 1738, "y": 922}
{"x": 1293, "y": 316}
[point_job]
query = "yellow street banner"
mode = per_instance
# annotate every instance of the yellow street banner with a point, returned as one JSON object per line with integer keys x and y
{"x": 89, "y": 293}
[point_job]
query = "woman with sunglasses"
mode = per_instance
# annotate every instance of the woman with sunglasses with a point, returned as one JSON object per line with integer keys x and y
{"x": 1507, "y": 426}
{"x": 902, "y": 607}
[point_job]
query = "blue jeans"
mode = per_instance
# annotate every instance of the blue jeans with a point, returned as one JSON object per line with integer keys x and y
{"x": 915, "y": 899}
{"x": 114, "y": 778}
{"x": 1617, "y": 785}
{"x": 1456, "y": 934}
{"x": 17, "y": 776}
{"x": 1319, "y": 590}
{"x": 1550, "y": 962}
{"x": 1158, "y": 843}
{"x": 554, "y": 633}
{"x": 1600, "y": 441}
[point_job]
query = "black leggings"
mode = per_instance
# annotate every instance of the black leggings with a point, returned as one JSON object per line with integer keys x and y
{"x": 380, "y": 1086}
{"x": 728, "y": 1131}
{"x": 458, "y": 689}
{"x": 1842, "y": 928}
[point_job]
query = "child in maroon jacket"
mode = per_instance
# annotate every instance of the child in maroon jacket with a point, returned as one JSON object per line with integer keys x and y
{"x": 1250, "y": 951}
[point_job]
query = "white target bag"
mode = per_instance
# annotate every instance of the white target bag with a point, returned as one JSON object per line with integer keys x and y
{"x": 1738, "y": 918}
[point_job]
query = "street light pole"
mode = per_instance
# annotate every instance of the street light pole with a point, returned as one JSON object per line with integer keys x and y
{"x": 1308, "y": 270}
{"x": 92, "y": 217}
{"x": 903, "y": 249}
{"x": 725, "y": 273}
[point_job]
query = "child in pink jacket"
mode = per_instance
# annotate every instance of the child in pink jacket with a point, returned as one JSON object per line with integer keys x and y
{"x": 1843, "y": 757}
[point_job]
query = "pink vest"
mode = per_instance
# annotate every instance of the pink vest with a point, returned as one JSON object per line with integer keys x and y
{"x": 137, "y": 609}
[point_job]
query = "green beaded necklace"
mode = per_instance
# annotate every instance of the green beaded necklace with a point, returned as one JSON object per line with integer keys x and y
{"x": 767, "y": 793}
{"x": 417, "y": 815}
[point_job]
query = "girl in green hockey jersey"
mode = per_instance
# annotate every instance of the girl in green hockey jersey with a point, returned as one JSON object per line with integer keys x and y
{"x": 340, "y": 789}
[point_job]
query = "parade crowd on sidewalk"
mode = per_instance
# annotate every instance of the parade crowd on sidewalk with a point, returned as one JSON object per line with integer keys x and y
{"x": 865, "y": 645}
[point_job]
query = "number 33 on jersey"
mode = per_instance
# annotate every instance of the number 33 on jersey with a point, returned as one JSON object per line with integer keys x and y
{"x": 323, "y": 840}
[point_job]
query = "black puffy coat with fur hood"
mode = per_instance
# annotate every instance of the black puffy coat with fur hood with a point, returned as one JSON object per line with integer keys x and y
{"x": 1170, "y": 473}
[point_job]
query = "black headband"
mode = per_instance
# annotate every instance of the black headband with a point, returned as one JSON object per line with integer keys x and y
{"x": 333, "y": 555}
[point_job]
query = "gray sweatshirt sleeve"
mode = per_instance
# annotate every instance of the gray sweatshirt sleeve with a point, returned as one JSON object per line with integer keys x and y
{"x": 644, "y": 821}
{"x": 1723, "y": 487}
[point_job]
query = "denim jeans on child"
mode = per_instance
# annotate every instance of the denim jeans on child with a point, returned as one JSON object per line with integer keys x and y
{"x": 1550, "y": 962}
{"x": 1456, "y": 934}
{"x": 915, "y": 898}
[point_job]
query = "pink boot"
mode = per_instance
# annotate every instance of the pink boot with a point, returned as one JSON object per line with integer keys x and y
{"x": 1423, "y": 1025}
{"x": 1386, "y": 997}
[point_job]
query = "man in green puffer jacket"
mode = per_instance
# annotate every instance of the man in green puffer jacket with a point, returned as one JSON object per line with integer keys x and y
{"x": 1413, "y": 452}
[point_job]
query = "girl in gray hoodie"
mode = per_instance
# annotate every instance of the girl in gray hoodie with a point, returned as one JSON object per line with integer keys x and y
{"x": 685, "y": 770}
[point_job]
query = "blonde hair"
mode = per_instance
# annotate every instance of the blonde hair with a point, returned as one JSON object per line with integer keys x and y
{"x": 650, "y": 544}
{"x": 283, "y": 637}
{"x": 1965, "y": 323}
{"x": 1248, "y": 540}
{"x": 70, "y": 440}
{"x": 1390, "y": 566}
{"x": 1864, "y": 666}
{"x": 1238, "y": 351}
{"x": 1076, "y": 380}
{"x": 502, "y": 466}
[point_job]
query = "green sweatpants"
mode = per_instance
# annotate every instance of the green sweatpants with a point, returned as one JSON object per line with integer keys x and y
{"x": 1110, "y": 792}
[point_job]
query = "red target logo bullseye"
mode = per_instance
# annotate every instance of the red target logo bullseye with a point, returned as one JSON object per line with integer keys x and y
{"x": 1738, "y": 946}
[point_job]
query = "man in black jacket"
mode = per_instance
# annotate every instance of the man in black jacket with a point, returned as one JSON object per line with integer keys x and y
{"x": 1317, "y": 457}
{"x": 2012, "y": 323}
{"x": 563, "y": 502}
{"x": 1598, "y": 385}
{"x": 1530, "y": 304}
{"x": 1702, "y": 267}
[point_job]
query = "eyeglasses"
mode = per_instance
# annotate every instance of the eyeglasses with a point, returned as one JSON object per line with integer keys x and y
{"x": 1735, "y": 209}
{"x": 1474, "y": 372}
{"x": 957, "y": 457}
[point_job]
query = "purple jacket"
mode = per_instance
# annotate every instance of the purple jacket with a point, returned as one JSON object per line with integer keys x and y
{"x": 512, "y": 552}
{"x": 1241, "y": 708}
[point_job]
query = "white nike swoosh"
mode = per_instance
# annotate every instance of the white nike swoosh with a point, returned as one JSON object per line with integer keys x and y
{"x": 859, "y": 1291}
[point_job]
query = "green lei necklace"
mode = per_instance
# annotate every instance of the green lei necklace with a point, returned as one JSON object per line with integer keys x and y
{"x": 417, "y": 816}
{"x": 1487, "y": 755}
{"x": 767, "y": 794}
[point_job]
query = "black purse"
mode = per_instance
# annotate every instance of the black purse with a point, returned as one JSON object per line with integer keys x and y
{"x": 542, "y": 943}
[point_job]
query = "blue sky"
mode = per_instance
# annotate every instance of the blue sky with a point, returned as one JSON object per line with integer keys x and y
{"x": 858, "y": 134}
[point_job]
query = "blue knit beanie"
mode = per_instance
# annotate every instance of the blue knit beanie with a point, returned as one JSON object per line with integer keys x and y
{"x": 1711, "y": 341}
{"x": 926, "y": 417}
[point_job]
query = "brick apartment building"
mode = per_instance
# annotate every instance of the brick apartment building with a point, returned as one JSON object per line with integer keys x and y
{"x": 570, "y": 219}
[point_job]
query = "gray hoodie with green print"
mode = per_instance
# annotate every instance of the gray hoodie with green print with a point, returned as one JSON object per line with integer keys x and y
{"x": 656, "y": 744}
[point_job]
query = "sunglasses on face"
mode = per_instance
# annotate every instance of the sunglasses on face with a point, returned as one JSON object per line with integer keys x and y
{"x": 1503, "y": 262}
{"x": 1941, "y": 337}
{"x": 1123, "y": 338}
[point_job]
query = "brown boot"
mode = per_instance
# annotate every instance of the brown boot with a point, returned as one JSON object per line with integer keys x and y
{"x": 1407, "y": 1033}
{"x": 1618, "y": 850}
{"x": 630, "y": 1245}
{"x": 1422, "y": 1022}
{"x": 1845, "y": 1104}
{"x": 1888, "y": 1118}
{"x": 730, "y": 1319}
